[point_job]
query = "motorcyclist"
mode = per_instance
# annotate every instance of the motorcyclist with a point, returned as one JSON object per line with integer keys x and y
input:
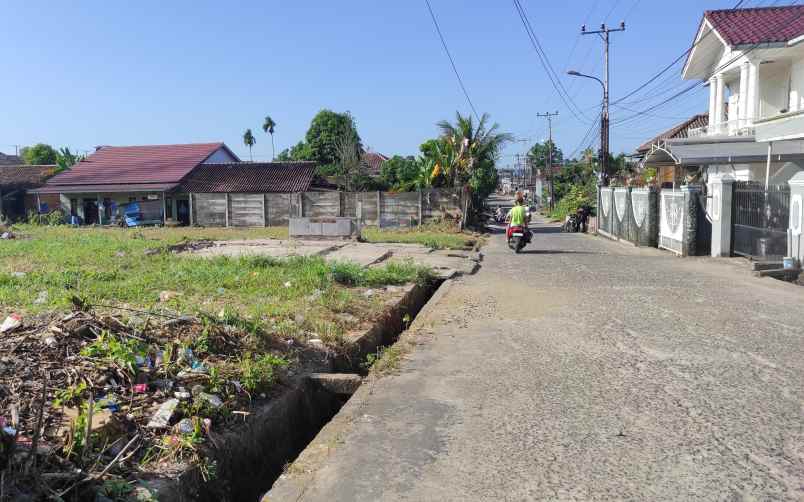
{"x": 519, "y": 216}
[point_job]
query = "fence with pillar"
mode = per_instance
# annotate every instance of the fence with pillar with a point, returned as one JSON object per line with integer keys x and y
{"x": 383, "y": 209}
{"x": 629, "y": 214}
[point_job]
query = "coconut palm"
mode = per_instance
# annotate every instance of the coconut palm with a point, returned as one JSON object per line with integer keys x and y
{"x": 249, "y": 141}
{"x": 471, "y": 145}
{"x": 268, "y": 126}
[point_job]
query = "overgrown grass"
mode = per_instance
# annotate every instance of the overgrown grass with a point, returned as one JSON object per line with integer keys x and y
{"x": 433, "y": 235}
{"x": 45, "y": 267}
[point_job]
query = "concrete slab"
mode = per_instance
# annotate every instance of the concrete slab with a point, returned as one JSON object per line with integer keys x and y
{"x": 363, "y": 254}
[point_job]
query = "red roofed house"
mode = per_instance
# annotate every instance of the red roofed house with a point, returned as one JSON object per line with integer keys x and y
{"x": 753, "y": 62}
{"x": 373, "y": 161}
{"x": 178, "y": 176}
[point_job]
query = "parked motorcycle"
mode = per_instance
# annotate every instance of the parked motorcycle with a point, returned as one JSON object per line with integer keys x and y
{"x": 577, "y": 221}
{"x": 518, "y": 237}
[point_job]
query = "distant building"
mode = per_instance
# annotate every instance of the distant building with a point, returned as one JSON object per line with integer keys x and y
{"x": 372, "y": 163}
{"x": 16, "y": 181}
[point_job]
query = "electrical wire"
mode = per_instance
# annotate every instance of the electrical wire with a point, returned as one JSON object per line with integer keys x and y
{"x": 451, "y": 60}
{"x": 548, "y": 67}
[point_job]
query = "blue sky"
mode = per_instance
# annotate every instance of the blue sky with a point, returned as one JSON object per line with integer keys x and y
{"x": 92, "y": 72}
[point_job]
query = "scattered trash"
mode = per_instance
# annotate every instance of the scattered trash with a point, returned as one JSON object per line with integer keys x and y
{"x": 7, "y": 235}
{"x": 368, "y": 293}
{"x": 18, "y": 275}
{"x": 211, "y": 399}
{"x": 41, "y": 298}
{"x": 288, "y": 284}
{"x": 50, "y": 341}
{"x": 120, "y": 254}
{"x": 166, "y": 296}
{"x": 11, "y": 323}
{"x": 161, "y": 418}
{"x": 315, "y": 295}
{"x": 185, "y": 426}
{"x": 140, "y": 388}
{"x": 183, "y": 395}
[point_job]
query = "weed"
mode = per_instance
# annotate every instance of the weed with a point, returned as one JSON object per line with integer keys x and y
{"x": 116, "y": 489}
{"x": 108, "y": 347}
{"x": 258, "y": 373}
{"x": 70, "y": 395}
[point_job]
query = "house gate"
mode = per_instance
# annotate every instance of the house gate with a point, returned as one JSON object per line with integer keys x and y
{"x": 760, "y": 219}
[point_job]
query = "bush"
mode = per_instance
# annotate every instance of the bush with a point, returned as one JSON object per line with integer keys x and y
{"x": 574, "y": 199}
{"x": 51, "y": 219}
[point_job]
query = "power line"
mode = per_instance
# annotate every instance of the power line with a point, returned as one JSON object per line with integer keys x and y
{"x": 701, "y": 82}
{"x": 673, "y": 63}
{"x": 548, "y": 67}
{"x": 451, "y": 61}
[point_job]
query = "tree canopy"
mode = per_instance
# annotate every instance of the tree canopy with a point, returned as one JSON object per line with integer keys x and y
{"x": 39, "y": 154}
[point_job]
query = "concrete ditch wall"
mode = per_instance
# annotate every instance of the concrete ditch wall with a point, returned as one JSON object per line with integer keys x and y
{"x": 385, "y": 209}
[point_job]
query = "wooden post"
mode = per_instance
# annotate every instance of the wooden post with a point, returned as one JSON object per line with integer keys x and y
{"x": 340, "y": 203}
{"x": 226, "y": 212}
{"x": 420, "y": 207}
{"x": 192, "y": 220}
{"x": 100, "y": 213}
{"x": 379, "y": 209}
{"x": 265, "y": 215}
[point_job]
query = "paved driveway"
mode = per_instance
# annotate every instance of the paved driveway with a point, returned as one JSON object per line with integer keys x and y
{"x": 584, "y": 369}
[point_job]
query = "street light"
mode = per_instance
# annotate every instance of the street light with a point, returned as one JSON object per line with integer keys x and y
{"x": 604, "y": 125}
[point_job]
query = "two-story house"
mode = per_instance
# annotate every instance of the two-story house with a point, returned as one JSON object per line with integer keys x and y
{"x": 753, "y": 62}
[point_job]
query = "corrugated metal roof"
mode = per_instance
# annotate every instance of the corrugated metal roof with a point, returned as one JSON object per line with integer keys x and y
{"x": 25, "y": 176}
{"x": 107, "y": 188}
{"x": 758, "y": 26}
{"x": 250, "y": 177}
{"x": 137, "y": 164}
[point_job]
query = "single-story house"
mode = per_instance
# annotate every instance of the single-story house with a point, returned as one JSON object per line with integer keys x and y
{"x": 372, "y": 162}
{"x": 10, "y": 160}
{"x": 96, "y": 190}
{"x": 16, "y": 182}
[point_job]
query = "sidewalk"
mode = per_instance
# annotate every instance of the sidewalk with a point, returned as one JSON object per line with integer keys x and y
{"x": 581, "y": 369}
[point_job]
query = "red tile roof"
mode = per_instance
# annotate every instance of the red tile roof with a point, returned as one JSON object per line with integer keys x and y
{"x": 250, "y": 177}
{"x": 25, "y": 176}
{"x": 115, "y": 165}
{"x": 373, "y": 162}
{"x": 680, "y": 131}
{"x": 759, "y": 25}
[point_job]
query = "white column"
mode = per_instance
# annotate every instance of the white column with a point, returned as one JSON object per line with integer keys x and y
{"x": 719, "y": 97}
{"x": 753, "y": 92}
{"x": 743, "y": 95}
{"x": 712, "y": 102}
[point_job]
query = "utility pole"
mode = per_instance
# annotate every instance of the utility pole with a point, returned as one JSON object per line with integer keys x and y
{"x": 549, "y": 164}
{"x": 604, "y": 32}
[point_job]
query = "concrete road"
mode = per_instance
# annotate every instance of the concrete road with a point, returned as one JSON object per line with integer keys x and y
{"x": 584, "y": 370}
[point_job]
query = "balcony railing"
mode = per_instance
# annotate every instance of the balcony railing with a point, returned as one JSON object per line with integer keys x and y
{"x": 738, "y": 127}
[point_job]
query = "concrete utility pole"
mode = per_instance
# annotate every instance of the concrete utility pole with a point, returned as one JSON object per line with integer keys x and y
{"x": 604, "y": 32}
{"x": 549, "y": 161}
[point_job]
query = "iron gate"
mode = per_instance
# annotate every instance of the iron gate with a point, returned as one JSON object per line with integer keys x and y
{"x": 760, "y": 218}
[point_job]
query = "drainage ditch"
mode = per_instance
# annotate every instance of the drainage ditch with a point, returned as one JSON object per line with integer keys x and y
{"x": 249, "y": 460}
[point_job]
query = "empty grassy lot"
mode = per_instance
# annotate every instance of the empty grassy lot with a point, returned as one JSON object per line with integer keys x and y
{"x": 45, "y": 267}
{"x": 434, "y": 236}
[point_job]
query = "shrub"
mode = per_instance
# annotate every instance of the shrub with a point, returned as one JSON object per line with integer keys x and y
{"x": 257, "y": 374}
{"x": 574, "y": 199}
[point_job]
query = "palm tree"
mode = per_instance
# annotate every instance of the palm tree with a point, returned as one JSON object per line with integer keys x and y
{"x": 268, "y": 126}
{"x": 249, "y": 141}
{"x": 471, "y": 144}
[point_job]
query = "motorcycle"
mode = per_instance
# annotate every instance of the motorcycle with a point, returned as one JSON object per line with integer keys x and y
{"x": 518, "y": 237}
{"x": 576, "y": 222}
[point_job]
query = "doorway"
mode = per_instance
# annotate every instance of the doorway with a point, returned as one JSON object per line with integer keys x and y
{"x": 183, "y": 211}
{"x": 90, "y": 211}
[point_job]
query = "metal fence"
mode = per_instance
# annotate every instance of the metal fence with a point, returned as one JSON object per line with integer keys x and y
{"x": 760, "y": 219}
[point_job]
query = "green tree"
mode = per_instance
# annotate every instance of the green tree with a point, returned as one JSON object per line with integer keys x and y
{"x": 539, "y": 152}
{"x": 470, "y": 151}
{"x": 269, "y": 126}
{"x": 399, "y": 172}
{"x": 299, "y": 151}
{"x": 326, "y": 130}
{"x": 38, "y": 154}
{"x": 65, "y": 159}
{"x": 249, "y": 141}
